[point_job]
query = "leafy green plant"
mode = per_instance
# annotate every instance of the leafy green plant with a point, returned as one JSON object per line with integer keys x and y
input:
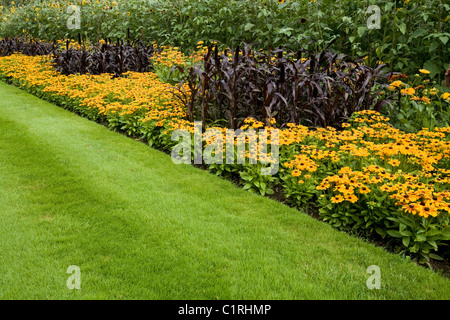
{"x": 420, "y": 235}
{"x": 412, "y": 34}
{"x": 254, "y": 181}
{"x": 418, "y": 103}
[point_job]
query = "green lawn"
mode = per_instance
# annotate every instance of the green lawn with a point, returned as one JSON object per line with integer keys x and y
{"x": 140, "y": 227}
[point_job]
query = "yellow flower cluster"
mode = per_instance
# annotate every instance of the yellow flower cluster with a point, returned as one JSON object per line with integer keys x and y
{"x": 424, "y": 156}
{"x": 169, "y": 57}
{"x": 422, "y": 92}
{"x": 103, "y": 93}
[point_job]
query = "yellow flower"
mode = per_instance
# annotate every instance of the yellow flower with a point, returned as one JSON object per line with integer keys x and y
{"x": 446, "y": 96}
{"x": 337, "y": 199}
{"x": 408, "y": 91}
{"x": 426, "y": 100}
{"x": 394, "y": 163}
{"x": 396, "y": 84}
{"x": 351, "y": 197}
{"x": 364, "y": 190}
{"x": 424, "y": 71}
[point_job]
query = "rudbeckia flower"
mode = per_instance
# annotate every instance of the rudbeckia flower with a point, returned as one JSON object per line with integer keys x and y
{"x": 408, "y": 91}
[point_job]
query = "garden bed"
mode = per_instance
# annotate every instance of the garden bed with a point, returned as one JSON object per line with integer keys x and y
{"x": 366, "y": 177}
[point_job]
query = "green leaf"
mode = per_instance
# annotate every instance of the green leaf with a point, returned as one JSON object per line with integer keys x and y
{"x": 402, "y": 27}
{"x": 286, "y": 31}
{"x": 404, "y": 221}
{"x": 248, "y": 26}
{"x": 406, "y": 233}
{"x": 361, "y": 31}
{"x": 433, "y": 243}
{"x": 418, "y": 33}
{"x": 388, "y": 6}
{"x": 406, "y": 241}
{"x": 420, "y": 238}
{"x": 446, "y": 234}
{"x": 433, "y": 47}
{"x": 443, "y": 39}
{"x": 247, "y": 186}
{"x": 436, "y": 257}
{"x": 394, "y": 233}
{"x": 433, "y": 67}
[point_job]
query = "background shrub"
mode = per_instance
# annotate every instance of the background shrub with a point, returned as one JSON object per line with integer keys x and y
{"x": 413, "y": 34}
